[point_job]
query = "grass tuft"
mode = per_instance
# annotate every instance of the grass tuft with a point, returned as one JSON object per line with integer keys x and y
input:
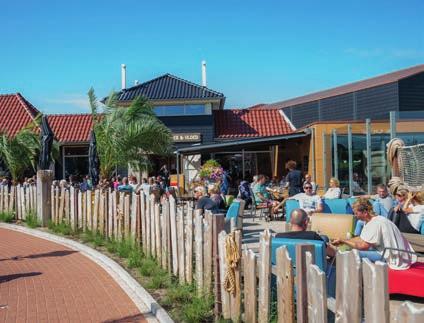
{"x": 124, "y": 248}
{"x": 62, "y": 228}
{"x": 200, "y": 309}
{"x": 148, "y": 267}
{"x": 7, "y": 217}
{"x": 135, "y": 258}
{"x": 160, "y": 279}
{"x": 31, "y": 219}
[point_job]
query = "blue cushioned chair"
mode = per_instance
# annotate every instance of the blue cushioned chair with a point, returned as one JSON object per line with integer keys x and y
{"x": 337, "y": 206}
{"x": 233, "y": 210}
{"x": 291, "y": 244}
{"x": 290, "y": 206}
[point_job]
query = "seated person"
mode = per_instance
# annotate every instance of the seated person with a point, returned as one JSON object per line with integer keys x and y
{"x": 262, "y": 197}
{"x": 299, "y": 220}
{"x": 125, "y": 186}
{"x": 334, "y": 191}
{"x": 409, "y": 215}
{"x": 214, "y": 195}
{"x": 383, "y": 204}
{"x": 308, "y": 179}
{"x": 244, "y": 192}
{"x": 203, "y": 201}
{"x": 377, "y": 234}
{"x": 309, "y": 201}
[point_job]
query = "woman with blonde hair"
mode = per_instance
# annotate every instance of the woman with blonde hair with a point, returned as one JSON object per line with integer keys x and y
{"x": 333, "y": 191}
{"x": 410, "y": 214}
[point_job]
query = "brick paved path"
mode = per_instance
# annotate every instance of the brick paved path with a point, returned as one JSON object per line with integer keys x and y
{"x": 41, "y": 281}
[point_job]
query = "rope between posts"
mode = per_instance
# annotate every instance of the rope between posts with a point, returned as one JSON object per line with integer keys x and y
{"x": 232, "y": 258}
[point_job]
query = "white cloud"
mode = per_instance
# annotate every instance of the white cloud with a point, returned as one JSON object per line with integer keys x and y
{"x": 72, "y": 102}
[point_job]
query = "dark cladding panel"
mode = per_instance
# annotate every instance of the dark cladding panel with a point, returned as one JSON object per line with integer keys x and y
{"x": 411, "y": 93}
{"x": 304, "y": 114}
{"x": 337, "y": 108}
{"x": 376, "y": 103}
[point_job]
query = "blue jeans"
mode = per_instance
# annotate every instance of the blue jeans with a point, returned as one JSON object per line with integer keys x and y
{"x": 371, "y": 255}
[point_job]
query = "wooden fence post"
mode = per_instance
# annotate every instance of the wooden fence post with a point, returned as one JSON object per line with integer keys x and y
{"x": 225, "y": 296}
{"x": 79, "y": 208}
{"x": 301, "y": 280}
{"x": 11, "y": 199}
{"x": 189, "y": 245}
{"x": 143, "y": 221}
{"x": 120, "y": 214}
{"x": 126, "y": 216}
{"x": 198, "y": 241}
{"x": 2, "y": 188}
{"x": 158, "y": 233}
{"x": 67, "y": 206}
{"x": 72, "y": 208}
{"x": 181, "y": 244}
{"x": 264, "y": 276}
{"x": 61, "y": 204}
{"x": 152, "y": 226}
{"x": 250, "y": 294}
{"x": 44, "y": 183}
{"x": 235, "y": 298}
{"x": 348, "y": 287}
{"x": 164, "y": 240}
{"x": 174, "y": 246}
{"x": 110, "y": 215}
{"x": 135, "y": 204}
{"x": 317, "y": 295}
{"x": 285, "y": 285}
{"x": 218, "y": 223}
{"x": 207, "y": 252}
{"x": 148, "y": 226}
{"x": 376, "y": 291}
{"x": 115, "y": 214}
{"x": 408, "y": 312}
{"x": 89, "y": 212}
{"x": 102, "y": 211}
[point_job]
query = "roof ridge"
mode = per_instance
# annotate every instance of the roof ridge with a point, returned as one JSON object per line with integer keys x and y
{"x": 419, "y": 67}
{"x": 27, "y": 106}
{"x": 171, "y": 76}
{"x": 68, "y": 114}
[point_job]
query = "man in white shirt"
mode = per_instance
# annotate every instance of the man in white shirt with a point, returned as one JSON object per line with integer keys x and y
{"x": 379, "y": 233}
{"x": 308, "y": 201}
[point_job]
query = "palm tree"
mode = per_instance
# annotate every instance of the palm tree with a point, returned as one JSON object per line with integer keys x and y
{"x": 19, "y": 153}
{"x": 127, "y": 135}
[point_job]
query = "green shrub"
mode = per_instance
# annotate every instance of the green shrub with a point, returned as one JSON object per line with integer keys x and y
{"x": 7, "y": 217}
{"x": 31, "y": 219}
{"x": 62, "y": 228}
{"x": 198, "y": 310}
{"x": 147, "y": 267}
{"x": 160, "y": 279}
{"x": 124, "y": 248}
{"x": 135, "y": 258}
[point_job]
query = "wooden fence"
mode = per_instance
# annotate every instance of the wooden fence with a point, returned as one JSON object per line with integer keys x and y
{"x": 192, "y": 247}
{"x": 18, "y": 199}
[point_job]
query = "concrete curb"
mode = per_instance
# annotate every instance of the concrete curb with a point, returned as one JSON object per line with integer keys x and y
{"x": 147, "y": 305}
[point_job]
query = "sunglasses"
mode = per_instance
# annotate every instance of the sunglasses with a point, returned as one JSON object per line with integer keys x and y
{"x": 308, "y": 187}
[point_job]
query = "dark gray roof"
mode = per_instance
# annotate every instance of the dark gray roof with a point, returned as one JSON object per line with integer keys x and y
{"x": 168, "y": 87}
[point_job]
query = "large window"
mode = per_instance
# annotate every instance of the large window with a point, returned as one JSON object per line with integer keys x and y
{"x": 181, "y": 110}
{"x": 75, "y": 161}
{"x": 380, "y": 168}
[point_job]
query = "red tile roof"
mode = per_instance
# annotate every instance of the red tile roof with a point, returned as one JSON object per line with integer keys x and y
{"x": 232, "y": 124}
{"x": 15, "y": 113}
{"x": 351, "y": 87}
{"x": 71, "y": 127}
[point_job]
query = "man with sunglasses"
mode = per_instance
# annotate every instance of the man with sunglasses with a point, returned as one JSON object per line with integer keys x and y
{"x": 309, "y": 201}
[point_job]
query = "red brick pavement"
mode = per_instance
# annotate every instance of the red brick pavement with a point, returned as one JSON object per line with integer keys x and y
{"x": 41, "y": 281}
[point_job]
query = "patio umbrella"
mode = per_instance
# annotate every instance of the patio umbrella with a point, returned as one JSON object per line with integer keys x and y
{"x": 46, "y": 138}
{"x": 93, "y": 160}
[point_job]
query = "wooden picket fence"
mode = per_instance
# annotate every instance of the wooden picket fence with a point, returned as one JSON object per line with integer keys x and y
{"x": 192, "y": 247}
{"x": 18, "y": 199}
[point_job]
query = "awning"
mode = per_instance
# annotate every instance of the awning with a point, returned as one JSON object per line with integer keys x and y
{"x": 239, "y": 144}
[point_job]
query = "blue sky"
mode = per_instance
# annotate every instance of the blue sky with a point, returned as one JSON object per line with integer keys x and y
{"x": 256, "y": 51}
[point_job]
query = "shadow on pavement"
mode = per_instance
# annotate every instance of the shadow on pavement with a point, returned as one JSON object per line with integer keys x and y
{"x": 7, "y": 278}
{"x": 58, "y": 253}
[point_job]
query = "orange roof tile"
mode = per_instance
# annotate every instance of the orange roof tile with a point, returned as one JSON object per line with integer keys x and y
{"x": 231, "y": 124}
{"x": 15, "y": 113}
{"x": 71, "y": 127}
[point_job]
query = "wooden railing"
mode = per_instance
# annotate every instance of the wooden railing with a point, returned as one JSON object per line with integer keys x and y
{"x": 191, "y": 246}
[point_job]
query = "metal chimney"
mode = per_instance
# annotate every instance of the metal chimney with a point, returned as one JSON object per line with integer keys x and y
{"x": 123, "y": 76}
{"x": 204, "y": 73}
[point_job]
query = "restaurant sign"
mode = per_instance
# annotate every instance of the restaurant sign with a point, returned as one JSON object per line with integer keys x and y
{"x": 186, "y": 137}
